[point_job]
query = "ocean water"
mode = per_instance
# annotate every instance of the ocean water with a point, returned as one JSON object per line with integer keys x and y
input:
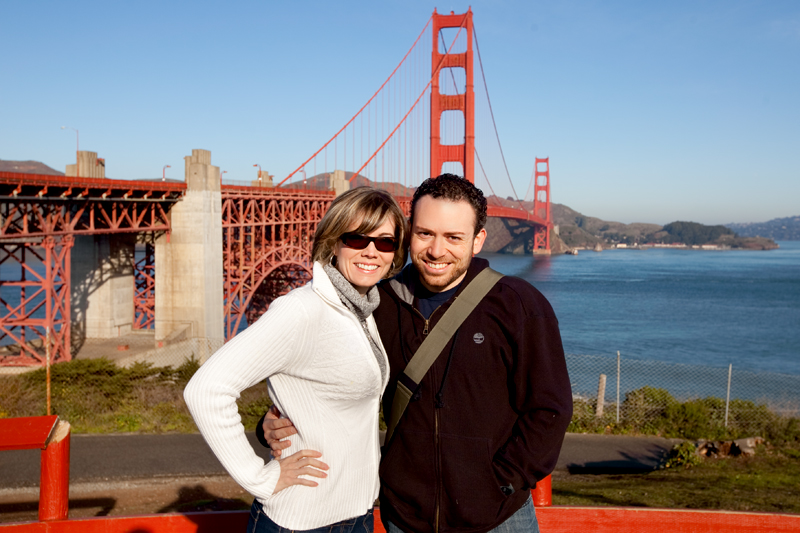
{"x": 711, "y": 308}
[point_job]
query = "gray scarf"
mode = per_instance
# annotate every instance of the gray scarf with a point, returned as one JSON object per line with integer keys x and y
{"x": 361, "y": 306}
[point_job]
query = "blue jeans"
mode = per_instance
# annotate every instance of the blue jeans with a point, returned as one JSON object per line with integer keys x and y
{"x": 261, "y": 523}
{"x": 523, "y": 520}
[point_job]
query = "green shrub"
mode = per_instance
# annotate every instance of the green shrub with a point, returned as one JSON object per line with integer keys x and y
{"x": 746, "y": 418}
{"x": 585, "y": 419}
{"x": 784, "y": 431}
{"x": 688, "y": 420}
{"x": 683, "y": 454}
{"x": 253, "y": 403}
{"x": 18, "y": 399}
{"x": 185, "y": 372}
{"x": 654, "y": 411}
{"x": 644, "y": 408}
{"x": 96, "y": 396}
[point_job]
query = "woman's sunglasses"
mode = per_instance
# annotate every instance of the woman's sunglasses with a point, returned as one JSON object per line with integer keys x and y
{"x": 357, "y": 241}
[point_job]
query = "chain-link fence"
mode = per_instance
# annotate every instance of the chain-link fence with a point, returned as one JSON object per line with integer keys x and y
{"x": 137, "y": 386}
{"x": 692, "y": 401}
{"x": 174, "y": 354}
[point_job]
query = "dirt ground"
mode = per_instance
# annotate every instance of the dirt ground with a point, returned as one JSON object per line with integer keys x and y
{"x": 132, "y": 497}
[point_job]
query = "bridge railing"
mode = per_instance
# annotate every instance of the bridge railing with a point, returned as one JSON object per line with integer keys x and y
{"x": 550, "y": 519}
{"x": 16, "y": 185}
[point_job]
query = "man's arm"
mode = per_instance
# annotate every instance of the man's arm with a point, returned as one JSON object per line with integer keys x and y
{"x": 272, "y": 429}
{"x": 541, "y": 391}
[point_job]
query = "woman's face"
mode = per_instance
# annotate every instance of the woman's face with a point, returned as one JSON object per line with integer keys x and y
{"x": 364, "y": 268}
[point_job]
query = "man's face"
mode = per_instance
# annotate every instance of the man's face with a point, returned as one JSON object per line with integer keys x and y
{"x": 443, "y": 241}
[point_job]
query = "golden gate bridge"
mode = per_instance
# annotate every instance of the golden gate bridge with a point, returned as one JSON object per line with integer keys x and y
{"x": 252, "y": 239}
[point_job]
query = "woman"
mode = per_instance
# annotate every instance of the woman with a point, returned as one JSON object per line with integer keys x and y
{"x": 319, "y": 350}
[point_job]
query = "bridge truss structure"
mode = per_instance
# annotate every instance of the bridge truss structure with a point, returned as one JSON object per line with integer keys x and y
{"x": 40, "y": 217}
{"x": 267, "y": 238}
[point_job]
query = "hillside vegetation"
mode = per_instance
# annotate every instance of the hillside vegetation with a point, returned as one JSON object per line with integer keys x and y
{"x": 779, "y": 229}
{"x": 576, "y": 230}
{"x": 692, "y": 233}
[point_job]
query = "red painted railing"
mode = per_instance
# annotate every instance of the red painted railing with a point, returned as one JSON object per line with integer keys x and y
{"x": 52, "y": 437}
{"x": 551, "y": 520}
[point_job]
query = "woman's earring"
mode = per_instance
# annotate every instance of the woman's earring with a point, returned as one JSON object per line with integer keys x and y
{"x": 392, "y": 267}
{"x": 333, "y": 260}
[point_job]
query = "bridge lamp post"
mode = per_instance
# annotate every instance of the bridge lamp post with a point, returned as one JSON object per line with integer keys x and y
{"x": 164, "y": 172}
{"x": 77, "y": 149}
{"x": 259, "y": 174}
{"x": 221, "y": 172}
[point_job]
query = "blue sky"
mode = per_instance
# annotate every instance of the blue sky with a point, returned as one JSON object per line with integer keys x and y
{"x": 648, "y": 111}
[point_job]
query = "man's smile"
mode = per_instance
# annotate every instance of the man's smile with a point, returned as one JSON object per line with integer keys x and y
{"x": 436, "y": 266}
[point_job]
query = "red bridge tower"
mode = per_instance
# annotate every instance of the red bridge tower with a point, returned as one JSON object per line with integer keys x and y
{"x": 459, "y": 153}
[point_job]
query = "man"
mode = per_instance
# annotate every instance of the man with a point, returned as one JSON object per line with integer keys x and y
{"x": 490, "y": 415}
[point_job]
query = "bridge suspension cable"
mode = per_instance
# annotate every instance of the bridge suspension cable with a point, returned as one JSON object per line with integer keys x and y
{"x": 424, "y": 91}
{"x": 494, "y": 123}
{"x": 370, "y": 116}
{"x": 387, "y": 143}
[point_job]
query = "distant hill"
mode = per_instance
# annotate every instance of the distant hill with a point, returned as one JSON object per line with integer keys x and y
{"x": 692, "y": 233}
{"x": 576, "y": 230}
{"x": 779, "y": 229}
{"x": 28, "y": 167}
{"x": 322, "y": 182}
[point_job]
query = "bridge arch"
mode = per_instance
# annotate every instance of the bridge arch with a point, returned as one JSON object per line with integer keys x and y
{"x": 274, "y": 274}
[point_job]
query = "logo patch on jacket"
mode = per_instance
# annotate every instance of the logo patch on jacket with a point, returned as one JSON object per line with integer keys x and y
{"x": 478, "y": 338}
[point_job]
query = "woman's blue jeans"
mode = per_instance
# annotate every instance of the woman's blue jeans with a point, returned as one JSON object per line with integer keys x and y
{"x": 261, "y": 523}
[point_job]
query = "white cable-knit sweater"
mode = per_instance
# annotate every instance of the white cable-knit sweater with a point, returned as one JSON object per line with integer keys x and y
{"x": 323, "y": 375}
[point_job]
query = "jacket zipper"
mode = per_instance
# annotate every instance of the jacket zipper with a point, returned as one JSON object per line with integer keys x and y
{"x": 438, "y": 483}
{"x": 425, "y": 331}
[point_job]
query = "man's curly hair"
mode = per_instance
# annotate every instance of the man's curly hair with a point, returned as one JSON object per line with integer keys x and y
{"x": 456, "y": 189}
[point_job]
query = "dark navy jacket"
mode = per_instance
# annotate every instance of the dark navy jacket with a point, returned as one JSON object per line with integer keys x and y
{"x": 489, "y": 418}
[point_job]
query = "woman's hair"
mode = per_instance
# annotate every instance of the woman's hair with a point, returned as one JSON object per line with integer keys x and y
{"x": 367, "y": 207}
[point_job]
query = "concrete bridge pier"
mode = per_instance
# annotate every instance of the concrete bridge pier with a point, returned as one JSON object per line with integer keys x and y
{"x": 339, "y": 183}
{"x": 87, "y": 165}
{"x": 101, "y": 273}
{"x": 189, "y": 300}
{"x": 101, "y": 286}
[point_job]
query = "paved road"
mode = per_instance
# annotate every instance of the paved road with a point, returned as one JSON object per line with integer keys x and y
{"x": 122, "y": 457}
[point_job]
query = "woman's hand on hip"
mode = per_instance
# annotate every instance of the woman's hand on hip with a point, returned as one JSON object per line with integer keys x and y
{"x": 302, "y": 463}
